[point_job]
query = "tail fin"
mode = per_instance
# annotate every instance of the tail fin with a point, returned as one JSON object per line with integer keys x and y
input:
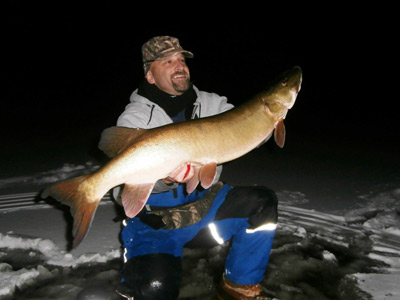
{"x": 82, "y": 208}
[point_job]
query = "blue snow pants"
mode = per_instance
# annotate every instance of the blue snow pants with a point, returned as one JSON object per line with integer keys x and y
{"x": 248, "y": 256}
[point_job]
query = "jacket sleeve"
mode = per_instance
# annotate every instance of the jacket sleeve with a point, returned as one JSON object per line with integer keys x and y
{"x": 218, "y": 175}
{"x": 209, "y": 104}
{"x": 224, "y": 105}
{"x": 133, "y": 117}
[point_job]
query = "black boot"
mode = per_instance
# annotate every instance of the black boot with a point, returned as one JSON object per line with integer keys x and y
{"x": 150, "y": 277}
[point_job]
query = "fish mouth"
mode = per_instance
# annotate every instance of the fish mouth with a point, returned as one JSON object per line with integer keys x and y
{"x": 289, "y": 104}
{"x": 284, "y": 103}
{"x": 292, "y": 82}
{"x": 294, "y": 91}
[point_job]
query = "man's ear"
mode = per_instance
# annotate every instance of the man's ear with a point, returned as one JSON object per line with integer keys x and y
{"x": 149, "y": 77}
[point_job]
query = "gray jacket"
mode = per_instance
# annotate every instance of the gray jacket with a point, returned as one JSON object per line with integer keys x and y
{"x": 142, "y": 113}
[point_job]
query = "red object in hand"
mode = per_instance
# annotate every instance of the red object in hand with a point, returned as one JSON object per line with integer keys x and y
{"x": 181, "y": 174}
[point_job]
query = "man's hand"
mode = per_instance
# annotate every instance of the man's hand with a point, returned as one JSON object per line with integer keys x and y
{"x": 181, "y": 174}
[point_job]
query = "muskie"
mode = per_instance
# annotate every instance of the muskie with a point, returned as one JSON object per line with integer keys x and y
{"x": 141, "y": 157}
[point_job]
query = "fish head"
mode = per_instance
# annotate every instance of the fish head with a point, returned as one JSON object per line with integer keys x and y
{"x": 283, "y": 93}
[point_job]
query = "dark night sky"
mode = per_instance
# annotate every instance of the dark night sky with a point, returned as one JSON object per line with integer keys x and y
{"x": 69, "y": 75}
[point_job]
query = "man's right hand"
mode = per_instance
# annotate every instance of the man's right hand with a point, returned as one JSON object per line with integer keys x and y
{"x": 181, "y": 174}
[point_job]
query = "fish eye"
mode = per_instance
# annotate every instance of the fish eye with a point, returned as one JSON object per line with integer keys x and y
{"x": 285, "y": 81}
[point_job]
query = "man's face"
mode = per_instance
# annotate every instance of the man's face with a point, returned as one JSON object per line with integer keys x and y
{"x": 170, "y": 74}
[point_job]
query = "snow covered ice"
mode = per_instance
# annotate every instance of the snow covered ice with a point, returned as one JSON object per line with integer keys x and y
{"x": 344, "y": 251}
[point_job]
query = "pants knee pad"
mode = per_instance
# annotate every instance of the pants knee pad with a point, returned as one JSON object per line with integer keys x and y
{"x": 267, "y": 211}
{"x": 257, "y": 203}
{"x": 153, "y": 276}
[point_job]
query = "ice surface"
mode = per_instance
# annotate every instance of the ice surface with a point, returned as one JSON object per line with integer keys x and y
{"x": 347, "y": 254}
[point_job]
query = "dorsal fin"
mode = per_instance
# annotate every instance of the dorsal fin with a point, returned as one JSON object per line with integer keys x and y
{"x": 116, "y": 139}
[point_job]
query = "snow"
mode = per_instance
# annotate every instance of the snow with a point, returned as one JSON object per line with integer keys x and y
{"x": 346, "y": 250}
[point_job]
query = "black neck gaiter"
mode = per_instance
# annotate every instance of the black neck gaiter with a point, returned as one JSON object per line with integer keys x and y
{"x": 172, "y": 105}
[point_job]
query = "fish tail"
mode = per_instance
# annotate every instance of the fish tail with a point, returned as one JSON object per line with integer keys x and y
{"x": 72, "y": 192}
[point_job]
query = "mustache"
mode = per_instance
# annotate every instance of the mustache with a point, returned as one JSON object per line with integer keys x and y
{"x": 180, "y": 73}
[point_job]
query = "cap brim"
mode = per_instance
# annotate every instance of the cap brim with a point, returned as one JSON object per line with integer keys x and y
{"x": 185, "y": 53}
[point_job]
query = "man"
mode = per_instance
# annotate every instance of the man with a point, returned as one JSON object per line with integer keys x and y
{"x": 153, "y": 241}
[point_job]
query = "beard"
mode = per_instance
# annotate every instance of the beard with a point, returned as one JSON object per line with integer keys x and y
{"x": 181, "y": 85}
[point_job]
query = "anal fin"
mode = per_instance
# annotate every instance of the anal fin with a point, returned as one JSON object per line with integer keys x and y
{"x": 194, "y": 181}
{"x": 134, "y": 197}
{"x": 207, "y": 174}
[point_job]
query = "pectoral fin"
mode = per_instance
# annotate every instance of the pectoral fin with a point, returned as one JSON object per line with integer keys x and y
{"x": 280, "y": 134}
{"x": 116, "y": 139}
{"x": 207, "y": 174}
{"x": 134, "y": 197}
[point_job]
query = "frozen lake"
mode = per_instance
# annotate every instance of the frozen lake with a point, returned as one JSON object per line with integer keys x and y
{"x": 338, "y": 234}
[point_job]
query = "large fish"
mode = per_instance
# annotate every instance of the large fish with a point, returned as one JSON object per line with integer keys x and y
{"x": 141, "y": 157}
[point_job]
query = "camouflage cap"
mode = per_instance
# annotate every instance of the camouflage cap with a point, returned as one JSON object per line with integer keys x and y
{"x": 159, "y": 47}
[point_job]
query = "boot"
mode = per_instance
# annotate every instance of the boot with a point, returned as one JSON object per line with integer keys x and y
{"x": 227, "y": 290}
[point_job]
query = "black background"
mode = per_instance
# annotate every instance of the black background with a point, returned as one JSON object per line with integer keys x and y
{"x": 69, "y": 69}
